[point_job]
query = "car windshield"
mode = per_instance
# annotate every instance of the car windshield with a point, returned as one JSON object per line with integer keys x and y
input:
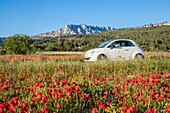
{"x": 104, "y": 44}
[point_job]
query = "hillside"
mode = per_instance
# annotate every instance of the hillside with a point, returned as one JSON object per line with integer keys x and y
{"x": 156, "y": 38}
{"x": 149, "y": 38}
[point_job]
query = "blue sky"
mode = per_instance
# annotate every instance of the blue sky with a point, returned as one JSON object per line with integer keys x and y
{"x": 31, "y": 17}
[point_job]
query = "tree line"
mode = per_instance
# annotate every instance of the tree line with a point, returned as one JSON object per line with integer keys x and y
{"x": 148, "y": 38}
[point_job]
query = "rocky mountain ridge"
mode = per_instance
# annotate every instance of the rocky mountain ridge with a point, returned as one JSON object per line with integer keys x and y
{"x": 75, "y": 29}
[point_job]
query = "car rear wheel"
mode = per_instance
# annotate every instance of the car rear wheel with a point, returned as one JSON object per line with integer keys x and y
{"x": 139, "y": 57}
{"x": 102, "y": 57}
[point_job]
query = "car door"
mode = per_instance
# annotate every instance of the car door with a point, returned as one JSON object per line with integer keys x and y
{"x": 114, "y": 51}
{"x": 127, "y": 49}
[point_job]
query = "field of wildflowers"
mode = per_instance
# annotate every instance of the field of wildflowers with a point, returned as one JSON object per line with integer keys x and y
{"x": 74, "y": 86}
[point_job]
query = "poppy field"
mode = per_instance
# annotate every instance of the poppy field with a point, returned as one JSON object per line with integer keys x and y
{"x": 74, "y": 86}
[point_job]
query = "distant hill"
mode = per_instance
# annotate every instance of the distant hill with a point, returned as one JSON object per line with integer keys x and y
{"x": 88, "y": 29}
{"x": 1, "y": 39}
{"x": 75, "y": 29}
{"x": 154, "y": 38}
{"x": 154, "y": 25}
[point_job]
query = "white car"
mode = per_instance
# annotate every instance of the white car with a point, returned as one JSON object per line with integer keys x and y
{"x": 115, "y": 50}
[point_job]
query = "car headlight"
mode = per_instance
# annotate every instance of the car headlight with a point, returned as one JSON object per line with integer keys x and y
{"x": 92, "y": 53}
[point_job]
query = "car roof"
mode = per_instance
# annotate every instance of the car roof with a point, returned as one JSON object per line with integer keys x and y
{"x": 122, "y": 39}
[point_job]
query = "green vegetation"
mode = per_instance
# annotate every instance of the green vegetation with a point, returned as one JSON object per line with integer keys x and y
{"x": 18, "y": 44}
{"x": 149, "y": 39}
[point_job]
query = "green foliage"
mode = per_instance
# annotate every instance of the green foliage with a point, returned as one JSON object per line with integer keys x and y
{"x": 149, "y": 39}
{"x": 113, "y": 109}
{"x": 18, "y": 44}
{"x": 49, "y": 47}
{"x": 2, "y": 50}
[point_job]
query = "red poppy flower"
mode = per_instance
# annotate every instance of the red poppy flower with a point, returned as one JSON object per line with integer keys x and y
{"x": 24, "y": 104}
{"x": 57, "y": 83}
{"x": 151, "y": 96}
{"x": 108, "y": 104}
{"x": 132, "y": 109}
{"x": 14, "y": 100}
{"x": 124, "y": 99}
{"x": 168, "y": 109}
{"x": 152, "y": 110}
{"x": 95, "y": 96}
{"x": 140, "y": 98}
{"x": 12, "y": 107}
{"x": 120, "y": 104}
{"x": 5, "y": 87}
{"x": 145, "y": 100}
{"x": 125, "y": 108}
{"x": 90, "y": 100}
{"x": 87, "y": 95}
{"x": 44, "y": 108}
{"x": 126, "y": 92}
{"x": 106, "y": 93}
{"x": 59, "y": 106}
{"x": 101, "y": 105}
{"x": 69, "y": 93}
{"x": 44, "y": 99}
{"x": 4, "y": 99}
{"x": 134, "y": 96}
{"x": 94, "y": 110}
{"x": 118, "y": 95}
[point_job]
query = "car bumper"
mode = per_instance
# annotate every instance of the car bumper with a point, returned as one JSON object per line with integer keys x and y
{"x": 90, "y": 59}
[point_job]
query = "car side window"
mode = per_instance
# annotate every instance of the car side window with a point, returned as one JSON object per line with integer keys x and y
{"x": 126, "y": 44}
{"x": 122, "y": 43}
{"x": 129, "y": 44}
{"x": 115, "y": 44}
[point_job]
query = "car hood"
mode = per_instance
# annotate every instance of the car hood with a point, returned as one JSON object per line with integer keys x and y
{"x": 95, "y": 50}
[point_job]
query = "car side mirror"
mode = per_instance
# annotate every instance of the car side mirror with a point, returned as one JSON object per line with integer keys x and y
{"x": 111, "y": 47}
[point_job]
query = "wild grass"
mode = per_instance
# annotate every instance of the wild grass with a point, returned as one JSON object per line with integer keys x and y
{"x": 72, "y": 85}
{"x": 49, "y": 65}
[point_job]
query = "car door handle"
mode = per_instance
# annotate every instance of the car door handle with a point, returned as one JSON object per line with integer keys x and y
{"x": 126, "y": 49}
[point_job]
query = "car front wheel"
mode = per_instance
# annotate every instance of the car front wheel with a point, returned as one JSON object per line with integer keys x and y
{"x": 101, "y": 57}
{"x": 139, "y": 57}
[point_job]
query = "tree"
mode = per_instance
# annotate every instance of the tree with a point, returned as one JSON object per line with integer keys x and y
{"x": 59, "y": 42}
{"x": 49, "y": 47}
{"x": 67, "y": 45}
{"x": 18, "y": 44}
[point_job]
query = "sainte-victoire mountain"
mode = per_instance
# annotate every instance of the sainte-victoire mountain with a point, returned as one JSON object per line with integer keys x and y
{"x": 75, "y": 29}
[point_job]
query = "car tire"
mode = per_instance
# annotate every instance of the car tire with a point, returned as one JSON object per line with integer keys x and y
{"x": 139, "y": 57}
{"x": 101, "y": 57}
